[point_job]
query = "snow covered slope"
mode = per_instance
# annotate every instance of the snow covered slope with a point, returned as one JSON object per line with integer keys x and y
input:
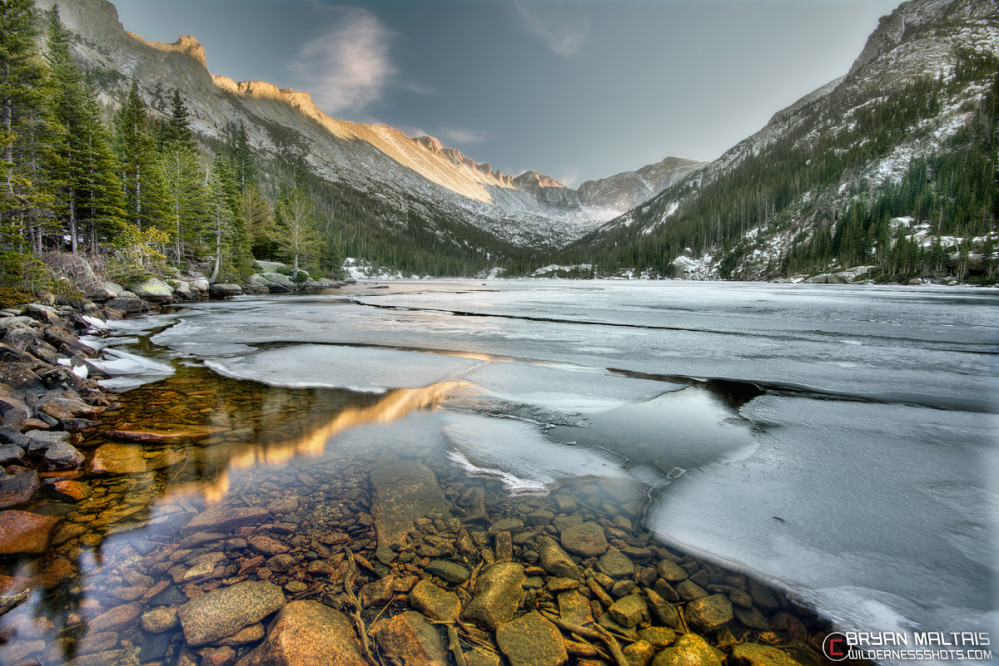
{"x": 926, "y": 49}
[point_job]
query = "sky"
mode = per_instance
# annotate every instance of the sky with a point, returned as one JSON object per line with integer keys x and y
{"x": 577, "y": 90}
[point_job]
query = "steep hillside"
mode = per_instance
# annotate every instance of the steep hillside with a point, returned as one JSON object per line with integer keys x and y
{"x": 892, "y": 166}
{"x": 624, "y": 191}
{"x": 391, "y": 193}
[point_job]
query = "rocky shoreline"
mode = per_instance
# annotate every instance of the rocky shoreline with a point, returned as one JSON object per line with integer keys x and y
{"x": 382, "y": 557}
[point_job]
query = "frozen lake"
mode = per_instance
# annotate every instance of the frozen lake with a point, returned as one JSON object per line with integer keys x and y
{"x": 839, "y": 441}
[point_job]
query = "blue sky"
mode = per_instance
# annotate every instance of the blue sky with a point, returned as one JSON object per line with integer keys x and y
{"x": 575, "y": 89}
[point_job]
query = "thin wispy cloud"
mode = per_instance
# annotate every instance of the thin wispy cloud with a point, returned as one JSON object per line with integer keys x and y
{"x": 569, "y": 176}
{"x": 563, "y": 34}
{"x": 418, "y": 88}
{"x": 349, "y": 66}
{"x": 451, "y": 135}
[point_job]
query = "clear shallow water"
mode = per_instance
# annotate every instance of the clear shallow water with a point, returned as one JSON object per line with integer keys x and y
{"x": 839, "y": 441}
{"x": 851, "y": 455}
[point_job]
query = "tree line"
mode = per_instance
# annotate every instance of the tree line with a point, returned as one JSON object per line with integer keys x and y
{"x": 136, "y": 193}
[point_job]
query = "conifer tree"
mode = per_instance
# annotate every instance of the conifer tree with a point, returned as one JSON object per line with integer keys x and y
{"x": 227, "y": 231}
{"x": 69, "y": 111}
{"x": 177, "y": 128}
{"x": 27, "y": 130}
{"x": 142, "y": 179}
{"x": 298, "y": 234}
{"x": 259, "y": 216}
{"x": 101, "y": 202}
{"x": 187, "y": 191}
{"x": 188, "y": 198}
{"x": 240, "y": 155}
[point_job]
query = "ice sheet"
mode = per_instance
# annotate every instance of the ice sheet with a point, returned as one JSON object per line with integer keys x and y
{"x": 121, "y": 362}
{"x": 128, "y": 370}
{"x": 520, "y": 456}
{"x": 887, "y": 500}
{"x": 334, "y": 366}
{"x": 563, "y": 387}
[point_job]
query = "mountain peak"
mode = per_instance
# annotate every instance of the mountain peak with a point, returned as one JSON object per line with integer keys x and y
{"x": 185, "y": 44}
{"x": 533, "y": 180}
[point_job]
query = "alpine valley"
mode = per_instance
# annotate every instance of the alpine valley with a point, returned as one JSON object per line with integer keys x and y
{"x": 889, "y": 172}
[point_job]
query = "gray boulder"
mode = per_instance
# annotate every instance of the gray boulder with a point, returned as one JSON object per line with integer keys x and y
{"x": 154, "y": 290}
{"x": 62, "y": 455}
{"x": 224, "y": 290}
{"x": 212, "y": 616}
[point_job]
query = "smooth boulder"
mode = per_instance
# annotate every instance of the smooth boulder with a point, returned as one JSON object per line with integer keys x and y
{"x": 498, "y": 593}
{"x": 307, "y": 632}
{"x": 222, "y": 612}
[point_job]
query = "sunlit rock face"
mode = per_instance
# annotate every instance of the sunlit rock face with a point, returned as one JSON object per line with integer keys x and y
{"x": 408, "y": 173}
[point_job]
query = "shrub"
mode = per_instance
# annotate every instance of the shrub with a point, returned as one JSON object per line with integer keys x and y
{"x": 12, "y": 298}
{"x": 135, "y": 255}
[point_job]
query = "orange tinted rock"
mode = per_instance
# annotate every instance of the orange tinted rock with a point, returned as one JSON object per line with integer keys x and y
{"x": 307, "y": 632}
{"x": 74, "y": 490}
{"x": 23, "y": 532}
{"x": 411, "y": 639}
{"x": 117, "y": 618}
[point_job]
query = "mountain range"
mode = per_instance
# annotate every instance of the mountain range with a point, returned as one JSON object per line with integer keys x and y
{"x": 748, "y": 214}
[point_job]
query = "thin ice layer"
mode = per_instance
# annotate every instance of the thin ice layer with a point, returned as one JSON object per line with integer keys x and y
{"x": 129, "y": 370}
{"x": 564, "y": 388}
{"x": 891, "y": 500}
{"x": 126, "y": 363}
{"x": 333, "y": 366}
{"x": 520, "y": 456}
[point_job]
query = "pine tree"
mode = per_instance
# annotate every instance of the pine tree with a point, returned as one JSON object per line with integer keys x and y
{"x": 142, "y": 179}
{"x": 188, "y": 198}
{"x": 240, "y": 155}
{"x": 177, "y": 128}
{"x": 259, "y": 216}
{"x": 28, "y": 132}
{"x": 70, "y": 113}
{"x": 227, "y": 232}
{"x": 187, "y": 191}
{"x": 101, "y": 202}
{"x": 298, "y": 235}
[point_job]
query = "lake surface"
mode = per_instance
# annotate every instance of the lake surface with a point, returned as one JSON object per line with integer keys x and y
{"x": 838, "y": 442}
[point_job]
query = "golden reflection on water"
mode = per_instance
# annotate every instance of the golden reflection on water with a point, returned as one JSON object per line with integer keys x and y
{"x": 393, "y": 406}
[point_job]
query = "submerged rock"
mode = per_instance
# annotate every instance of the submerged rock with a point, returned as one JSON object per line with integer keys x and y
{"x": 307, "y": 632}
{"x": 574, "y": 607}
{"x": 531, "y": 639}
{"x": 411, "y": 639}
{"x": 709, "y": 613}
{"x": 629, "y": 611}
{"x": 754, "y": 654}
{"x": 404, "y": 492}
{"x": 222, "y": 518}
{"x": 116, "y": 618}
{"x": 223, "y": 612}
{"x": 498, "y": 592}
{"x": 586, "y": 539}
{"x": 435, "y": 602}
{"x": 616, "y": 564}
{"x": 452, "y": 572}
{"x": 24, "y": 532}
{"x": 159, "y": 620}
{"x": 689, "y": 650}
{"x": 556, "y": 561}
